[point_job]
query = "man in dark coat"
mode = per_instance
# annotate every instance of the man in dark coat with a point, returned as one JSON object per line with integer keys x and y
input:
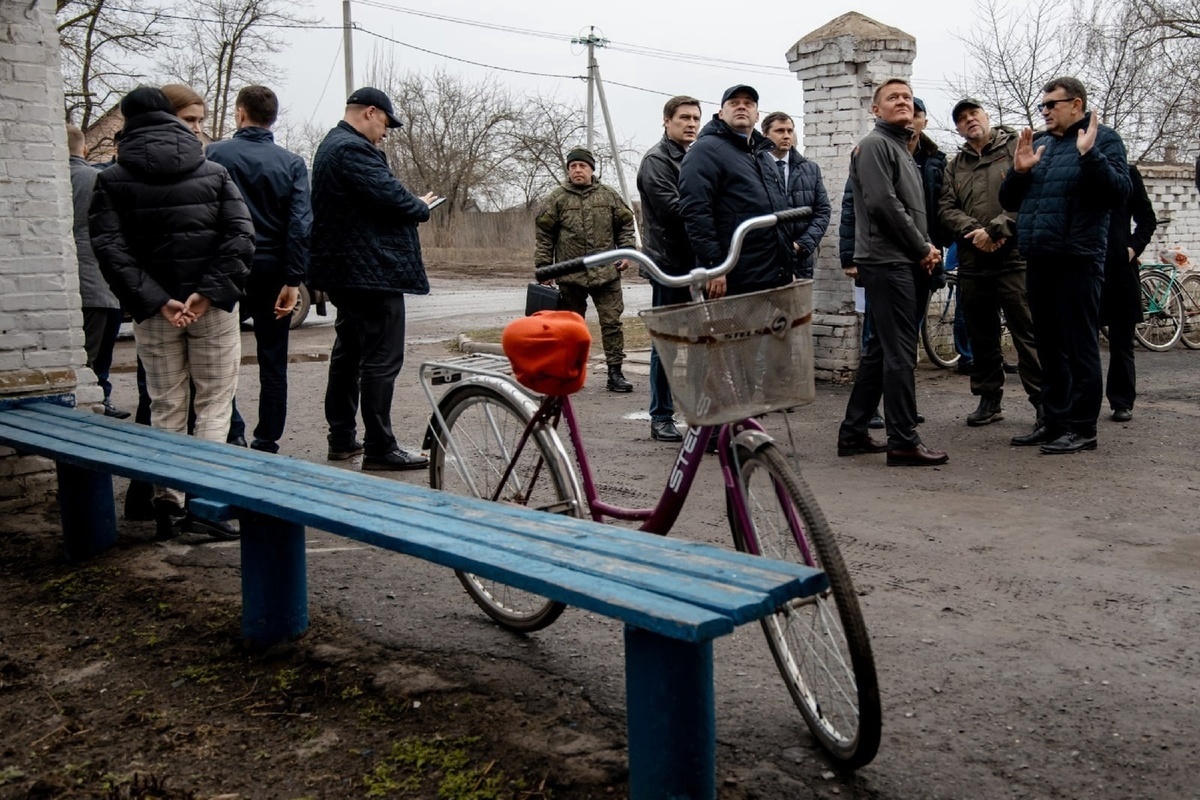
{"x": 721, "y": 183}
{"x": 1121, "y": 297}
{"x": 991, "y": 273}
{"x": 893, "y": 257}
{"x": 1065, "y": 187}
{"x": 175, "y": 243}
{"x": 101, "y": 309}
{"x": 800, "y": 181}
{"x": 274, "y": 184}
{"x": 664, "y": 238}
{"x": 366, "y": 255}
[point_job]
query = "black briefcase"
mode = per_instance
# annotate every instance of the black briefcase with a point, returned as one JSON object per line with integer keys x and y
{"x": 539, "y": 297}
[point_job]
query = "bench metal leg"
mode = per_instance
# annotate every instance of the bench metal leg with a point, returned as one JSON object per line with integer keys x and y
{"x": 89, "y": 515}
{"x": 671, "y": 717}
{"x": 274, "y": 580}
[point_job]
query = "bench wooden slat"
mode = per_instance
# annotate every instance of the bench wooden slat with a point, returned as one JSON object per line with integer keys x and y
{"x": 551, "y": 536}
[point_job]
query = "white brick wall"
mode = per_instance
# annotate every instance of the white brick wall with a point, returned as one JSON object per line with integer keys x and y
{"x": 1172, "y": 192}
{"x": 41, "y": 325}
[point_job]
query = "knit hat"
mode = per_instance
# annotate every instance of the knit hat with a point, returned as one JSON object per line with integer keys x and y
{"x": 143, "y": 100}
{"x": 549, "y": 350}
{"x": 582, "y": 154}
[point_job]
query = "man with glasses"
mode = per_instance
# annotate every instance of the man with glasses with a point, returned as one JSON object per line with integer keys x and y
{"x": 1065, "y": 188}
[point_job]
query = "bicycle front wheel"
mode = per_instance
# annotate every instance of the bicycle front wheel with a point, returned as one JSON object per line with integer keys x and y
{"x": 485, "y": 428}
{"x": 1189, "y": 294}
{"x": 1162, "y": 311}
{"x": 937, "y": 334}
{"x": 820, "y": 643}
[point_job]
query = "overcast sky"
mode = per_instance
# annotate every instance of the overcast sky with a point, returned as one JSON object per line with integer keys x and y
{"x": 696, "y": 34}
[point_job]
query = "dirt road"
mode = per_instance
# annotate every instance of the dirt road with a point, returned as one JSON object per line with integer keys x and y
{"x": 1033, "y": 617}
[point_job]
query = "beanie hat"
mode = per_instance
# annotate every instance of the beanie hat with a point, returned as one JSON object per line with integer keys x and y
{"x": 143, "y": 100}
{"x": 582, "y": 154}
{"x": 549, "y": 351}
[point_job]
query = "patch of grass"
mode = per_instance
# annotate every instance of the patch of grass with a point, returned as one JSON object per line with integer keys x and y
{"x": 200, "y": 674}
{"x": 444, "y": 765}
{"x": 284, "y": 679}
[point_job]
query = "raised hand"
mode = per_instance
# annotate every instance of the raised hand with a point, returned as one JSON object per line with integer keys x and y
{"x": 1026, "y": 158}
{"x": 1087, "y": 136}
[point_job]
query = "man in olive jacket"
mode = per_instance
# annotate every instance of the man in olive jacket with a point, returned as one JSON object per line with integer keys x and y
{"x": 579, "y": 218}
{"x": 366, "y": 255}
{"x": 991, "y": 272}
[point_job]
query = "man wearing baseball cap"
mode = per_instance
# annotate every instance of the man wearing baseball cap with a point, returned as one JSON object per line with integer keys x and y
{"x": 991, "y": 272}
{"x": 366, "y": 255}
{"x": 721, "y": 183}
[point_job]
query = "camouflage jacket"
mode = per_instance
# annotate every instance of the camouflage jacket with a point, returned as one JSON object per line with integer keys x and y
{"x": 578, "y": 221}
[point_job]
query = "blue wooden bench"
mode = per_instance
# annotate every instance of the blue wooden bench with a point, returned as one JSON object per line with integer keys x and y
{"x": 674, "y": 597}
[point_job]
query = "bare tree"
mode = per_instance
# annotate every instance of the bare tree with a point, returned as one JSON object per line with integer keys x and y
{"x": 1170, "y": 19}
{"x": 225, "y": 44}
{"x": 99, "y": 42}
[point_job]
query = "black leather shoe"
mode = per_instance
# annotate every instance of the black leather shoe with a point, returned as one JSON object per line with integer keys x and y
{"x": 168, "y": 520}
{"x": 395, "y": 461}
{"x": 664, "y": 430}
{"x": 1069, "y": 443}
{"x": 616, "y": 380}
{"x": 263, "y": 446}
{"x": 919, "y": 456}
{"x": 218, "y": 530}
{"x": 237, "y": 441}
{"x": 877, "y": 422}
{"x": 860, "y": 447}
{"x": 1039, "y": 435}
{"x": 989, "y": 411}
{"x": 112, "y": 411}
{"x": 341, "y": 452}
{"x": 1122, "y": 414}
{"x": 920, "y": 418}
{"x": 965, "y": 366}
{"x": 1011, "y": 368}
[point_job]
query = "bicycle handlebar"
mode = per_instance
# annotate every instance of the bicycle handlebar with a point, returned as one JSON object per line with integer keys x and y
{"x": 698, "y": 276}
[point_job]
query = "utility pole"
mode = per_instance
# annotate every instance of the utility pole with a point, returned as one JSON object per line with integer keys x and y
{"x": 593, "y": 74}
{"x": 348, "y": 47}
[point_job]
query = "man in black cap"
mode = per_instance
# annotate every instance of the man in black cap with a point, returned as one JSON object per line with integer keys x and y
{"x": 581, "y": 217}
{"x": 991, "y": 272}
{"x": 721, "y": 183}
{"x": 366, "y": 255}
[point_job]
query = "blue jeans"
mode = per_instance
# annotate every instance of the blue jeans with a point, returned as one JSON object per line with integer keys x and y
{"x": 662, "y": 408}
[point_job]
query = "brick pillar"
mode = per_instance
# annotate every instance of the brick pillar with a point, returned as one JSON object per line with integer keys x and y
{"x": 840, "y": 64}
{"x": 41, "y": 325}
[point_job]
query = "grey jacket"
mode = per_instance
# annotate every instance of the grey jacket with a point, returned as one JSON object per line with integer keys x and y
{"x": 93, "y": 289}
{"x": 889, "y": 199}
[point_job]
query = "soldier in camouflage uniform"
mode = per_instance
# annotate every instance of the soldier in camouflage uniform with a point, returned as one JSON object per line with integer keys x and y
{"x": 581, "y": 217}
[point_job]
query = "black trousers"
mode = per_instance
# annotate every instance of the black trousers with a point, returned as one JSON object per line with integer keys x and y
{"x": 367, "y": 355}
{"x": 1064, "y": 296}
{"x": 271, "y": 341}
{"x": 894, "y": 304}
{"x": 1121, "y": 387}
{"x": 983, "y": 297}
{"x": 100, "y": 328}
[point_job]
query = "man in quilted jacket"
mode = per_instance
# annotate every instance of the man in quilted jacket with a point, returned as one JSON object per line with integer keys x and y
{"x": 366, "y": 255}
{"x": 1065, "y": 185}
{"x": 579, "y": 218}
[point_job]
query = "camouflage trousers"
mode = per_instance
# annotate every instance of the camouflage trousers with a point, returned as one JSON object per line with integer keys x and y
{"x": 610, "y": 304}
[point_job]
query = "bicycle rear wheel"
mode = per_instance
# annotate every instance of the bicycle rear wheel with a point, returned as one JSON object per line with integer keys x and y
{"x": 937, "y": 334}
{"x": 1189, "y": 293}
{"x": 1162, "y": 311}
{"x": 820, "y": 643}
{"x": 486, "y": 427}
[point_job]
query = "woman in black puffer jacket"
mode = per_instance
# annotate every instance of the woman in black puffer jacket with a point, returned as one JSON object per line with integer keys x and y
{"x": 175, "y": 242}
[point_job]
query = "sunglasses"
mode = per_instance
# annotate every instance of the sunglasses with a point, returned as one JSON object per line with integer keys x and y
{"x": 1050, "y": 104}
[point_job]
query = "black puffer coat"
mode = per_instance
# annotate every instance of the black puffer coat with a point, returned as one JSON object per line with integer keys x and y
{"x": 1121, "y": 297}
{"x": 805, "y": 188}
{"x": 721, "y": 183}
{"x": 165, "y": 222}
{"x": 364, "y": 233}
{"x": 1066, "y": 198}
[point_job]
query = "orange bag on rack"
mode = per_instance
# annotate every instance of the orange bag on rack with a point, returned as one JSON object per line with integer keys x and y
{"x": 549, "y": 351}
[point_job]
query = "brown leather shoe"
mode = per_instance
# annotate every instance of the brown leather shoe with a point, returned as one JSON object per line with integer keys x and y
{"x": 863, "y": 446}
{"x": 919, "y": 456}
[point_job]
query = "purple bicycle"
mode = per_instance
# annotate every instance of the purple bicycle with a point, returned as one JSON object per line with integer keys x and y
{"x": 728, "y": 361}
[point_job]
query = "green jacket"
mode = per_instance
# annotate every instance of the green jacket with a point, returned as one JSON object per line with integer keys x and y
{"x": 971, "y": 199}
{"x": 578, "y": 221}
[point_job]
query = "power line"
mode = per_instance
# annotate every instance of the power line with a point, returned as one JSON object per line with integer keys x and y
{"x": 460, "y": 21}
{"x": 465, "y": 60}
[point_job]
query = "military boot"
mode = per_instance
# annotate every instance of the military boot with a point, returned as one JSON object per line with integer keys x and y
{"x": 616, "y": 380}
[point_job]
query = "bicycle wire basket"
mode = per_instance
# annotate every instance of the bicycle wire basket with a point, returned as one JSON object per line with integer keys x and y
{"x": 737, "y": 357}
